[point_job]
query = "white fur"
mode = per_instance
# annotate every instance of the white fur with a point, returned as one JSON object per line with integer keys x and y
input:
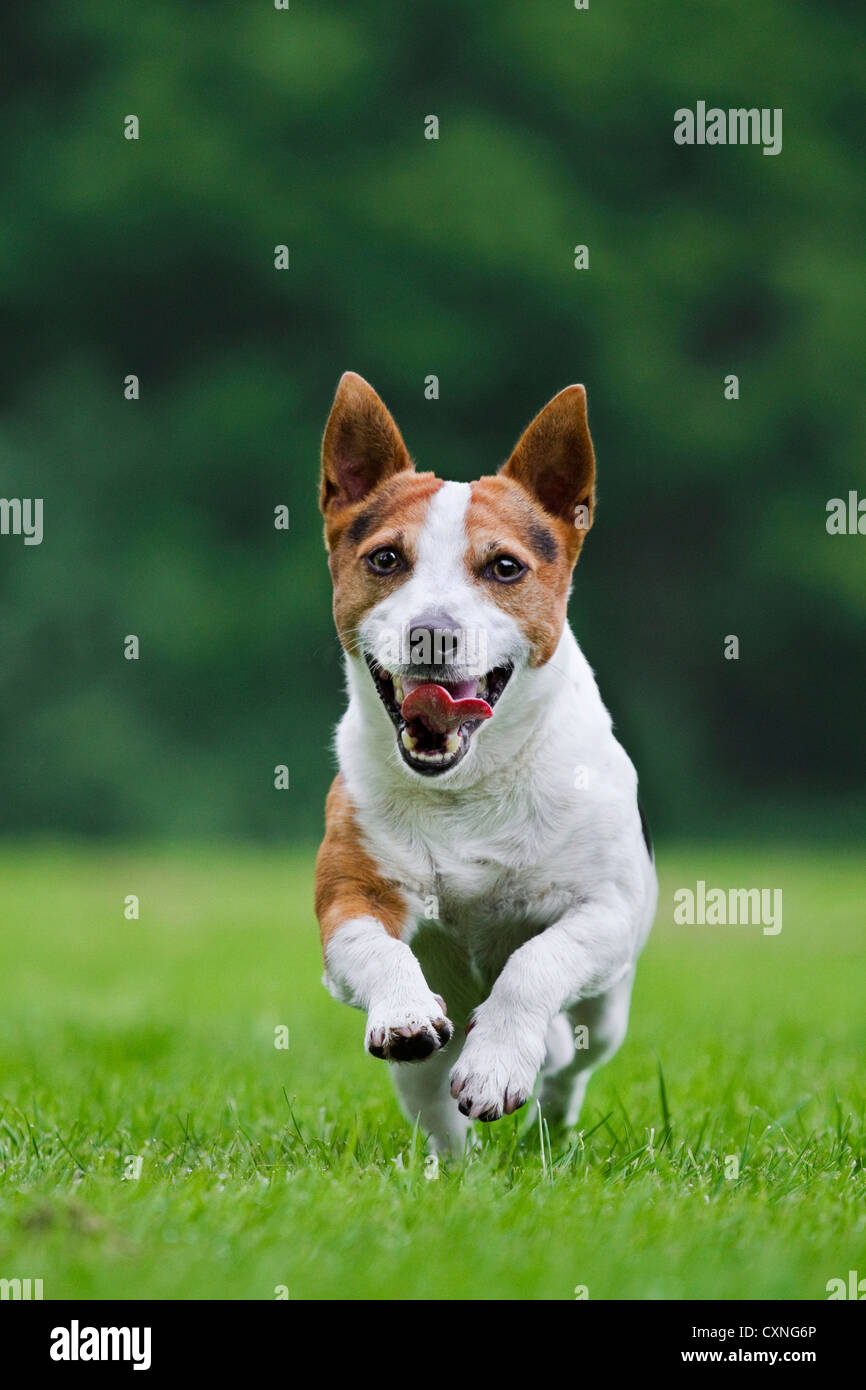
{"x": 544, "y": 889}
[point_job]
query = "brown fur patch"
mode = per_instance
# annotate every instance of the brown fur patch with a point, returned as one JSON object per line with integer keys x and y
{"x": 348, "y": 881}
{"x": 503, "y": 518}
{"x": 393, "y": 514}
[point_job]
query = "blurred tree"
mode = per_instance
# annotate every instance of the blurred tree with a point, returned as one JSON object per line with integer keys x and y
{"x": 411, "y": 257}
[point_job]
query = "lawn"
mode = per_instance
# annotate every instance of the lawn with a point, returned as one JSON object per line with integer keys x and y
{"x": 265, "y": 1168}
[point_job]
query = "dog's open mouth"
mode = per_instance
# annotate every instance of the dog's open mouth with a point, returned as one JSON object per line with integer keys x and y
{"x": 435, "y": 719}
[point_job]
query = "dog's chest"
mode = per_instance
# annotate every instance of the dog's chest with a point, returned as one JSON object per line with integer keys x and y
{"x": 488, "y": 892}
{"x": 508, "y": 853}
{"x": 491, "y": 909}
{"x": 481, "y": 887}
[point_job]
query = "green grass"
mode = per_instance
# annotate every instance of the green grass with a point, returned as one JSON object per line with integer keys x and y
{"x": 264, "y": 1167}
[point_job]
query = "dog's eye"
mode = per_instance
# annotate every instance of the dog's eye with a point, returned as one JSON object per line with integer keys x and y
{"x": 505, "y": 568}
{"x": 386, "y": 560}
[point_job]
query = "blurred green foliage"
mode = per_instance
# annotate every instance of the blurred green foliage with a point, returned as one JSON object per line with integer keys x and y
{"x": 411, "y": 257}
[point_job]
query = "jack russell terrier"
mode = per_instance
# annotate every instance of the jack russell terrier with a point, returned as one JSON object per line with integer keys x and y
{"x": 483, "y": 838}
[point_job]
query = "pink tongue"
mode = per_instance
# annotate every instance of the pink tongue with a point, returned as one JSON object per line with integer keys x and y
{"x": 434, "y": 705}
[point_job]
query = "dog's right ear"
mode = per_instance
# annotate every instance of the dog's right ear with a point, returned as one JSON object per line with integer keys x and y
{"x": 361, "y": 448}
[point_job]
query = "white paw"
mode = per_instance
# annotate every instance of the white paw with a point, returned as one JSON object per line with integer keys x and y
{"x": 408, "y": 1030}
{"x": 497, "y": 1068}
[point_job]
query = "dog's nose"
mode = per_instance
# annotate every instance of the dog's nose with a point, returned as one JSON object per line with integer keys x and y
{"x": 434, "y": 639}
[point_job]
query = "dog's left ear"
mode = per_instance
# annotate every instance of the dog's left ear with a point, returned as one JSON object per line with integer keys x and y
{"x": 554, "y": 460}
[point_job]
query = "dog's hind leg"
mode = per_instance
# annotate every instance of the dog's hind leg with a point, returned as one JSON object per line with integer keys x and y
{"x": 580, "y": 1040}
{"x": 425, "y": 1096}
{"x": 424, "y": 1088}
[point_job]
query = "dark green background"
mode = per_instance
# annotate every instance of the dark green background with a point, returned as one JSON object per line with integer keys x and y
{"x": 411, "y": 257}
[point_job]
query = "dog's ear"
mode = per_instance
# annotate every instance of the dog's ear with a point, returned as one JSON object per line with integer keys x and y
{"x": 554, "y": 460}
{"x": 362, "y": 445}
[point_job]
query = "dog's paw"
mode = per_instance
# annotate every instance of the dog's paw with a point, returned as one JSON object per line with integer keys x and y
{"x": 492, "y": 1076}
{"x": 408, "y": 1032}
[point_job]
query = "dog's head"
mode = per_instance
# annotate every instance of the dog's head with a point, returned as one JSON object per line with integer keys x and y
{"x": 451, "y": 594}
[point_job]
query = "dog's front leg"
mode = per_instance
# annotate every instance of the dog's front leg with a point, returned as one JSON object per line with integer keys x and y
{"x": 370, "y": 969}
{"x": 581, "y": 955}
{"x": 363, "y": 915}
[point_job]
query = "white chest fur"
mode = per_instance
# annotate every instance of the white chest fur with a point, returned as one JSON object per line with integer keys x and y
{"x": 543, "y": 817}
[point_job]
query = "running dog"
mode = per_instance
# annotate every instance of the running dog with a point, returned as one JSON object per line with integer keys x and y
{"x": 484, "y": 842}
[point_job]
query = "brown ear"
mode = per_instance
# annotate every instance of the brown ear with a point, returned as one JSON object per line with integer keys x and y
{"x": 362, "y": 445}
{"x": 554, "y": 460}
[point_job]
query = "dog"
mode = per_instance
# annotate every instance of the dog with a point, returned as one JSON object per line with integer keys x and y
{"x": 484, "y": 842}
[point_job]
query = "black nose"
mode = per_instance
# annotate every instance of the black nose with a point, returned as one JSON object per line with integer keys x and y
{"x": 435, "y": 639}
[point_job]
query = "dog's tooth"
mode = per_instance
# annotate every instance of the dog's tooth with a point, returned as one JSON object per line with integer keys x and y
{"x": 398, "y": 688}
{"x": 452, "y": 743}
{"x": 407, "y": 740}
{"x": 482, "y": 686}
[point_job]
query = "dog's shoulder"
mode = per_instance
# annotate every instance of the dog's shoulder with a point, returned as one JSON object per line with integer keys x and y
{"x": 349, "y": 878}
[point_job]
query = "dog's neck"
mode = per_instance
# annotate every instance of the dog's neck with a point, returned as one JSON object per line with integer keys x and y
{"x": 552, "y": 715}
